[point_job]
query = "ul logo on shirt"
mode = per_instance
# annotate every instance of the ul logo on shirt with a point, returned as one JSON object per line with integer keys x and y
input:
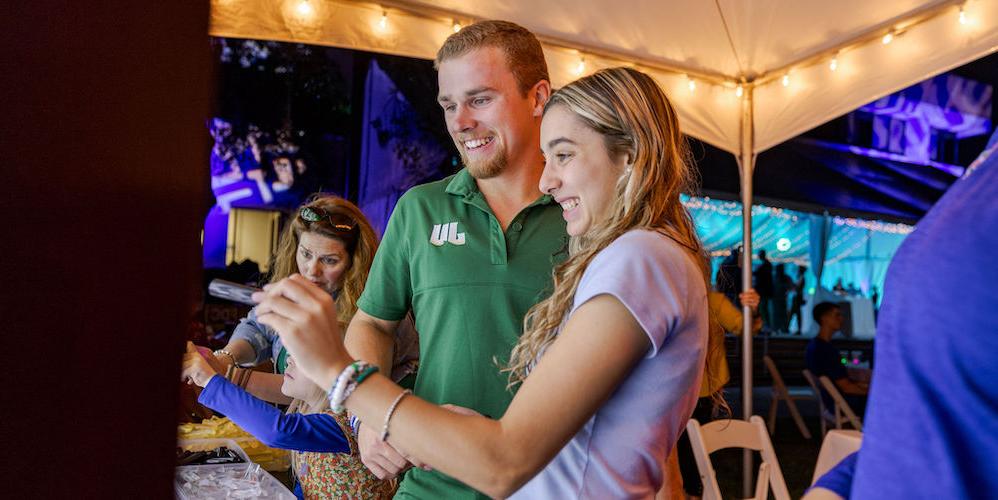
{"x": 446, "y": 233}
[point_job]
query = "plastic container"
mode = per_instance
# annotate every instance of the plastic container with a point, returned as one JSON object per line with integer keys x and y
{"x": 211, "y": 444}
{"x": 223, "y": 481}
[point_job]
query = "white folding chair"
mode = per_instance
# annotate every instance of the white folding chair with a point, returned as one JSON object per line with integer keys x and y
{"x": 843, "y": 412}
{"x": 837, "y": 445}
{"x": 721, "y": 434}
{"x": 779, "y": 393}
{"x": 824, "y": 414}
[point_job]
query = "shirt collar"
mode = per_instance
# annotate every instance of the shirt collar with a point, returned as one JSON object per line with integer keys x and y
{"x": 463, "y": 184}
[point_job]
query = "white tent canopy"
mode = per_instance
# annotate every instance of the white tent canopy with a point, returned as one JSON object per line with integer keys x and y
{"x": 716, "y": 45}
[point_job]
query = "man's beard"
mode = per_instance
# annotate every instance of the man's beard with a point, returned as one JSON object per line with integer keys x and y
{"x": 488, "y": 168}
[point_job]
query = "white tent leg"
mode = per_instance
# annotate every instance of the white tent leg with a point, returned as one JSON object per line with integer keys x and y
{"x": 746, "y": 164}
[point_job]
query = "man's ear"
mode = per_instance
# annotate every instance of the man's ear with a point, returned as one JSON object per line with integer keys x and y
{"x": 540, "y": 92}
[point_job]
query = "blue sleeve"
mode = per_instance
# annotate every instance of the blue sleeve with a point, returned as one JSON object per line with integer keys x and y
{"x": 839, "y": 478}
{"x": 317, "y": 432}
{"x": 259, "y": 336}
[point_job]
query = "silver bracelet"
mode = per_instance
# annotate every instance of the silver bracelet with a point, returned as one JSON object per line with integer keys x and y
{"x": 391, "y": 411}
{"x": 227, "y": 353}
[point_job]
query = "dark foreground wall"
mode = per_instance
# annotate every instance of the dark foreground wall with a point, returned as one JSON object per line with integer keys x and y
{"x": 103, "y": 154}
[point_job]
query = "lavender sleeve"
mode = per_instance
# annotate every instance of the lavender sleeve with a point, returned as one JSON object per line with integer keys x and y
{"x": 316, "y": 432}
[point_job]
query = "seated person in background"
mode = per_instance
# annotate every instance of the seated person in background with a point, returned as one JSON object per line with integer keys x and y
{"x": 823, "y": 359}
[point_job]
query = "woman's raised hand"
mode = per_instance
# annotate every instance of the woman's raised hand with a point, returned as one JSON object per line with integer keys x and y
{"x": 196, "y": 369}
{"x": 304, "y": 315}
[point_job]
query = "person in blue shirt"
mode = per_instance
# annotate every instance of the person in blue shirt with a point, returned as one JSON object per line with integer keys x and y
{"x": 822, "y": 358}
{"x": 931, "y": 429}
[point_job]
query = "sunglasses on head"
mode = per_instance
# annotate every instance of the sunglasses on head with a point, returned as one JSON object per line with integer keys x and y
{"x": 312, "y": 214}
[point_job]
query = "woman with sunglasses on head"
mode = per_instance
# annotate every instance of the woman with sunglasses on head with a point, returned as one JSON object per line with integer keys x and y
{"x": 329, "y": 243}
{"x": 609, "y": 365}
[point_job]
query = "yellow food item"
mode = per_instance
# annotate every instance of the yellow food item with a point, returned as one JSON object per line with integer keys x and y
{"x": 271, "y": 459}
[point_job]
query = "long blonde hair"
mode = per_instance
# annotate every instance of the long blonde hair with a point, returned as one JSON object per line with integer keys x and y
{"x": 635, "y": 118}
{"x": 361, "y": 243}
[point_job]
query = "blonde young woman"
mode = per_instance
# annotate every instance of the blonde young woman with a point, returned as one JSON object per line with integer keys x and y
{"x": 609, "y": 366}
{"x": 331, "y": 244}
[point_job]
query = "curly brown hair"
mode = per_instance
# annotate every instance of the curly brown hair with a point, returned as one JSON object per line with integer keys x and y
{"x": 361, "y": 243}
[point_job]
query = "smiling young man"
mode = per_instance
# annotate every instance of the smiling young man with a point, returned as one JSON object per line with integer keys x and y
{"x": 471, "y": 253}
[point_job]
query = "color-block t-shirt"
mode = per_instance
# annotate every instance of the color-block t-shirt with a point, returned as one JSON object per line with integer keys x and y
{"x": 469, "y": 284}
{"x": 619, "y": 452}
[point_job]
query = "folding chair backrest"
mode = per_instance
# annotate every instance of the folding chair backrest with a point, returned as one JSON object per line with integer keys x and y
{"x": 813, "y": 382}
{"x": 722, "y": 434}
{"x": 775, "y": 373}
{"x": 840, "y": 402}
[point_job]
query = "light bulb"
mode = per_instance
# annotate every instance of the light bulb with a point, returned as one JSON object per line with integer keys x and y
{"x": 739, "y": 91}
{"x": 834, "y": 65}
{"x": 887, "y": 38}
{"x": 786, "y": 80}
{"x": 383, "y": 23}
{"x": 457, "y": 26}
{"x": 692, "y": 84}
{"x": 304, "y": 8}
{"x": 963, "y": 16}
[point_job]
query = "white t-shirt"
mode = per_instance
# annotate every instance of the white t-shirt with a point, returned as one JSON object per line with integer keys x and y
{"x": 619, "y": 452}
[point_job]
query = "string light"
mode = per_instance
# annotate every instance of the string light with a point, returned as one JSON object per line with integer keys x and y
{"x": 306, "y": 10}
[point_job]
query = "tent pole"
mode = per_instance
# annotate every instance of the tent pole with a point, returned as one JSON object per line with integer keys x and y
{"x": 746, "y": 165}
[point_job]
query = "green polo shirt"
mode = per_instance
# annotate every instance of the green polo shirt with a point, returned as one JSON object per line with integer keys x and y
{"x": 469, "y": 284}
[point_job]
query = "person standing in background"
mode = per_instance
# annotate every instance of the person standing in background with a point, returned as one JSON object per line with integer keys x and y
{"x": 798, "y": 301}
{"x": 782, "y": 284}
{"x": 764, "y": 286}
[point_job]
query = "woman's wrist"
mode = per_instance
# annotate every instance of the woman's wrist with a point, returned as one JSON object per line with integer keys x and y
{"x": 328, "y": 376}
{"x": 205, "y": 379}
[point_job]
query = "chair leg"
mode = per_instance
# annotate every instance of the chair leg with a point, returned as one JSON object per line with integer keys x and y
{"x": 797, "y": 419}
{"x": 772, "y": 414}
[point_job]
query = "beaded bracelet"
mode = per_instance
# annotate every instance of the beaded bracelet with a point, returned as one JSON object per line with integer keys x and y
{"x": 354, "y": 425}
{"x": 391, "y": 411}
{"x": 347, "y": 382}
{"x": 336, "y": 393}
{"x": 353, "y": 383}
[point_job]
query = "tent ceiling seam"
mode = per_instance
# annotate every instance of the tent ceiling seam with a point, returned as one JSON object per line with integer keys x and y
{"x": 731, "y": 42}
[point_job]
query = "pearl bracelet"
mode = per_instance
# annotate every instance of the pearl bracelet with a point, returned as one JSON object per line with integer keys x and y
{"x": 391, "y": 411}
